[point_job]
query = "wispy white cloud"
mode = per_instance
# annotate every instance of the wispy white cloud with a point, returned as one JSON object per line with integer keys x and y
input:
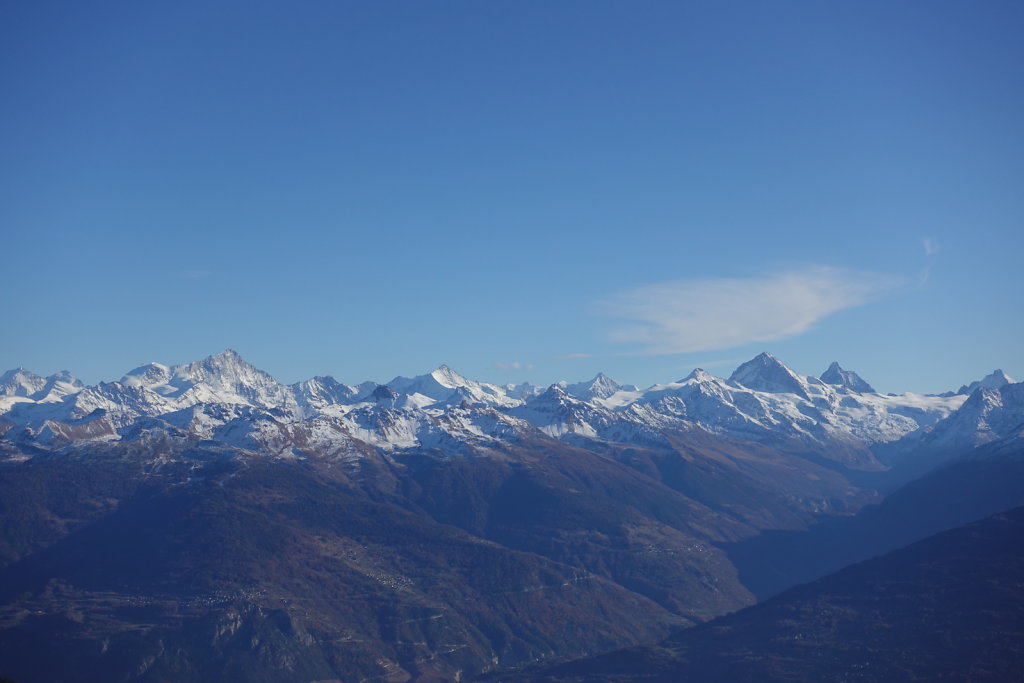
{"x": 708, "y": 314}
{"x": 514, "y": 365}
{"x": 925, "y": 274}
{"x": 931, "y": 248}
{"x": 569, "y": 356}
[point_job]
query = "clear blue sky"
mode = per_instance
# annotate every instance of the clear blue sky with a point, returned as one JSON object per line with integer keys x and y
{"x": 366, "y": 189}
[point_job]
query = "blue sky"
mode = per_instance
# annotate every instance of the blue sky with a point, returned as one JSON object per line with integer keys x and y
{"x": 522, "y": 190}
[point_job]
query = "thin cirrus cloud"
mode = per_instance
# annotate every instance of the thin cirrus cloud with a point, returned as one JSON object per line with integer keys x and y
{"x": 931, "y": 248}
{"x": 514, "y": 365}
{"x": 708, "y": 314}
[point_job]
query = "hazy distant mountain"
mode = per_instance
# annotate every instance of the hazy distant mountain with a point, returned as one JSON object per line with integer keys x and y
{"x": 945, "y": 608}
{"x": 988, "y": 480}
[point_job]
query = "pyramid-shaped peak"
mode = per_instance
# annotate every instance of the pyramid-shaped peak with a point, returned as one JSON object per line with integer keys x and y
{"x": 228, "y": 359}
{"x": 767, "y": 373}
{"x": 602, "y": 386}
{"x": 761, "y": 363}
{"x": 998, "y": 377}
{"x": 837, "y": 376}
{"x": 554, "y": 391}
{"x": 601, "y": 379}
{"x": 225, "y": 378}
{"x": 448, "y": 377}
{"x": 699, "y": 375}
{"x": 227, "y": 356}
{"x": 994, "y": 380}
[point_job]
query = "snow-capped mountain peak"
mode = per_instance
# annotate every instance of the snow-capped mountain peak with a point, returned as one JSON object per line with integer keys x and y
{"x": 837, "y": 376}
{"x": 21, "y": 382}
{"x": 767, "y": 373}
{"x": 699, "y": 375}
{"x": 993, "y": 380}
{"x": 226, "y": 366}
{"x": 65, "y": 376}
{"x": 447, "y": 377}
{"x": 561, "y": 415}
{"x": 988, "y": 414}
{"x": 325, "y": 390}
{"x": 59, "y": 385}
{"x": 223, "y": 378}
{"x": 601, "y": 387}
{"x": 19, "y": 385}
{"x": 150, "y": 376}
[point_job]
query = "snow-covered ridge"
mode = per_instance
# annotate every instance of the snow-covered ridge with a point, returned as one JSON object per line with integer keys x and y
{"x": 226, "y": 399}
{"x": 444, "y": 383}
{"x": 22, "y": 383}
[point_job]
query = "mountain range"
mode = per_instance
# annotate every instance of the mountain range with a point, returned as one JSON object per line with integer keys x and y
{"x": 763, "y": 400}
{"x": 205, "y": 522}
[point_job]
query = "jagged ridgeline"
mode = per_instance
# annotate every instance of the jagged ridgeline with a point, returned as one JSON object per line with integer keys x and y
{"x": 763, "y": 400}
{"x": 203, "y": 522}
